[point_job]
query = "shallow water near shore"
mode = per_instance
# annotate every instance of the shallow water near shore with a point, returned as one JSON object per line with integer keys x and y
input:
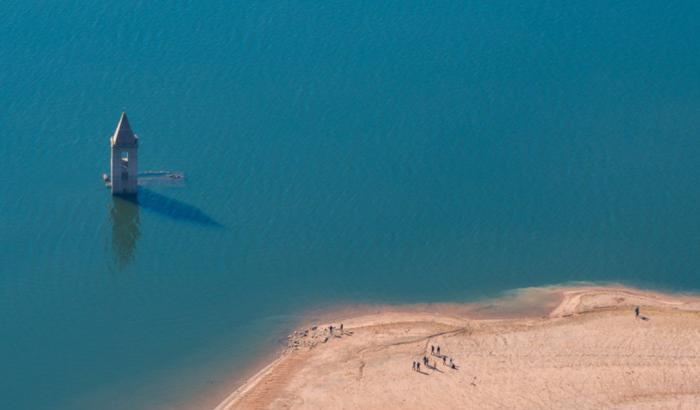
{"x": 335, "y": 154}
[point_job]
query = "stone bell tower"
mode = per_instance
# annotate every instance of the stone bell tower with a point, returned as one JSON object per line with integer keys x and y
{"x": 124, "y": 164}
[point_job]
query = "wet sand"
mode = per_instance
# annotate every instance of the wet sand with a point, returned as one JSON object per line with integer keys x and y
{"x": 539, "y": 348}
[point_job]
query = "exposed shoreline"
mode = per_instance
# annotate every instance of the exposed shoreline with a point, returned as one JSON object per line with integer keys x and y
{"x": 292, "y": 380}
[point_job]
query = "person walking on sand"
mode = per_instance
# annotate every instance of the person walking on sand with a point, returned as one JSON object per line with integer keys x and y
{"x": 432, "y": 349}
{"x": 330, "y": 328}
{"x": 636, "y": 311}
{"x": 438, "y": 350}
{"x": 444, "y": 360}
{"x": 341, "y": 328}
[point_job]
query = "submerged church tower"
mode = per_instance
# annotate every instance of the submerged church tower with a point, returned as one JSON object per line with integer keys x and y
{"x": 124, "y": 164}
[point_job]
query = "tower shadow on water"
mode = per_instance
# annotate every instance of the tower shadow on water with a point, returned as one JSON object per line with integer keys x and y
{"x": 172, "y": 208}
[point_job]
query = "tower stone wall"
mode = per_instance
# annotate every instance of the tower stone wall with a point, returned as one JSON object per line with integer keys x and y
{"x": 124, "y": 159}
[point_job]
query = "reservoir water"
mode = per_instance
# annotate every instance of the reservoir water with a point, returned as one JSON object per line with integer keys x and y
{"x": 333, "y": 152}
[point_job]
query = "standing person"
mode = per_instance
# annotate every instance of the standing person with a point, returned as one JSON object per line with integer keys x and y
{"x": 432, "y": 349}
{"x": 341, "y": 328}
{"x": 438, "y": 350}
{"x": 418, "y": 366}
{"x": 444, "y": 360}
{"x": 636, "y": 311}
{"x": 413, "y": 367}
{"x": 331, "y": 328}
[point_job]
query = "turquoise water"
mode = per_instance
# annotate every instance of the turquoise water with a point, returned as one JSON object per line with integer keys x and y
{"x": 333, "y": 152}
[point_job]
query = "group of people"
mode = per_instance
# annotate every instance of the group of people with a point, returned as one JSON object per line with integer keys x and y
{"x": 416, "y": 365}
{"x": 435, "y": 351}
{"x": 330, "y": 328}
{"x": 426, "y": 363}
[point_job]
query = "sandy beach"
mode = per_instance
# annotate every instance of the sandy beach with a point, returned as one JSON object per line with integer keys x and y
{"x": 544, "y": 348}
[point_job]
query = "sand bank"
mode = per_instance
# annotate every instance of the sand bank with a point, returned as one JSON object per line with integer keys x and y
{"x": 572, "y": 348}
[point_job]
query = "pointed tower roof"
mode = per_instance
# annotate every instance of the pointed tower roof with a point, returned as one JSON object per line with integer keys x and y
{"x": 123, "y": 135}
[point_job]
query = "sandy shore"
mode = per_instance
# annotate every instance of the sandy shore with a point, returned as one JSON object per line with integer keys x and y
{"x": 582, "y": 348}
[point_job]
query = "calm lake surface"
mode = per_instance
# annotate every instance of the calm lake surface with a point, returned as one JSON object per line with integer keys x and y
{"x": 333, "y": 152}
